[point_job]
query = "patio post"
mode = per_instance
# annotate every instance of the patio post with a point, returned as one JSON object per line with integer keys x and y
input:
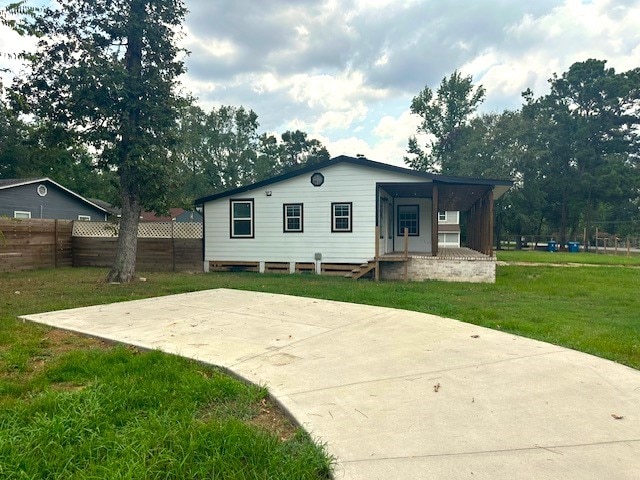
{"x": 434, "y": 221}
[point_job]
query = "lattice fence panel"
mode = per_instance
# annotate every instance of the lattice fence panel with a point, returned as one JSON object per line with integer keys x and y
{"x": 145, "y": 230}
{"x": 187, "y": 230}
{"x": 95, "y": 229}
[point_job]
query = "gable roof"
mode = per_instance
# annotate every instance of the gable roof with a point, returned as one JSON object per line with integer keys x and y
{"x": 17, "y": 182}
{"x": 361, "y": 162}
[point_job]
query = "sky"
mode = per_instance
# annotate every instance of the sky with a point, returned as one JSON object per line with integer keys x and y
{"x": 345, "y": 71}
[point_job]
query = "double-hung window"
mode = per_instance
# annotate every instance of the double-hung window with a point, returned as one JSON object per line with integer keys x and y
{"x": 242, "y": 218}
{"x": 292, "y": 218}
{"x": 341, "y": 217}
{"x": 409, "y": 218}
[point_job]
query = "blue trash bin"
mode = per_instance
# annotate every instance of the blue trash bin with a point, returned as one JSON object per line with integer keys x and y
{"x": 552, "y": 246}
{"x": 573, "y": 247}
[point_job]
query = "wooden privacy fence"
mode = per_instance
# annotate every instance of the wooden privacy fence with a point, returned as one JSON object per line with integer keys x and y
{"x": 162, "y": 246}
{"x": 27, "y": 244}
{"x": 38, "y": 243}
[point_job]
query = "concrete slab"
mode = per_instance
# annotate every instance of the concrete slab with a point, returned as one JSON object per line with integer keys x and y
{"x": 399, "y": 394}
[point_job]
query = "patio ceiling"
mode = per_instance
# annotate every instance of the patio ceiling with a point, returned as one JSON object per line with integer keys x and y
{"x": 450, "y": 196}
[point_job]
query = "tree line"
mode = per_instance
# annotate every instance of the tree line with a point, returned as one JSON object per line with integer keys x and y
{"x": 574, "y": 153}
{"x": 209, "y": 152}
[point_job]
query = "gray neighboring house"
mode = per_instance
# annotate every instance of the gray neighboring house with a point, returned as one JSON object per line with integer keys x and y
{"x": 43, "y": 198}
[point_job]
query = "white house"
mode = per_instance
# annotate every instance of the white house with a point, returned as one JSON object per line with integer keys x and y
{"x": 352, "y": 216}
{"x": 448, "y": 229}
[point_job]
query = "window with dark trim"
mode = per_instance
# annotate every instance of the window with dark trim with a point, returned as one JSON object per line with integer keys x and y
{"x": 292, "y": 218}
{"x": 341, "y": 217}
{"x": 241, "y": 218}
{"x": 409, "y": 218}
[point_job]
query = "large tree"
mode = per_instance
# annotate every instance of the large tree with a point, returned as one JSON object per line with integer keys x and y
{"x": 106, "y": 70}
{"x": 588, "y": 141}
{"x": 444, "y": 115}
{"x": 223, "y": 149}
{"x": 297, "y": 150}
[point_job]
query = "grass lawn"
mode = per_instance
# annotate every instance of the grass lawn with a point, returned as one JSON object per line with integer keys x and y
{"x": 186, "y": 418}
{"x": 75, "y": 408}
{"x": 589, "y": 258}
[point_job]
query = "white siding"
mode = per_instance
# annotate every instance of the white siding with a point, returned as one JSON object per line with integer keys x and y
{"x": 421, "y": 243}
{"x": 343, "y": 183}
{"x": 452, "y": 218}
{"x": 449, "y": 239}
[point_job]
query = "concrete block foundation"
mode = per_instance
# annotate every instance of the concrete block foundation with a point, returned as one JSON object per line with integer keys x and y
{"x": 474, "y": 270}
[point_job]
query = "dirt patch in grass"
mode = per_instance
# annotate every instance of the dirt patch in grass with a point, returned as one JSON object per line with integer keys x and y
{"x": 272, "y": 418}
{"x": 60, "y": 342}
{"x": 56, "y": 343}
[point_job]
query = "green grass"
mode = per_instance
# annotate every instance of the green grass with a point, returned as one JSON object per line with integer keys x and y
{"x": 80, "y": 398}
{"x": 588, "y": 258}
{"x": 77, "y": 408}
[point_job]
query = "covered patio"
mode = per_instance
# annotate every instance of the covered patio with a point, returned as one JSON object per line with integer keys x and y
{"x": 407, "y": 235}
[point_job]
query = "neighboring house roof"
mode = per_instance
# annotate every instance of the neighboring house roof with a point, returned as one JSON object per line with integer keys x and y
{"x": 13, "y": 182}
{"x": 365, "y": 163}
{"x": 106, "y": 205}
{"x": 16, "y": 182}
{"x": 152, "y": 217}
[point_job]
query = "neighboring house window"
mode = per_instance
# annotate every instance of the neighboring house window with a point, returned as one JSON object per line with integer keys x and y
{"x": 341, "y": 217}
{"x": 84, "y": 218}
{"x": 442, "y": 216}
{"x": 42, "y": 190}
{"x": 23, "y": 215}
{"x": 292, "y": 221}
{"x": 408, "y": 217}
{"x": 241, "y": 213}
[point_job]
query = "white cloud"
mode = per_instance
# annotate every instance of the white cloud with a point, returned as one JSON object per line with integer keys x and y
{"x": 345, "y": 70}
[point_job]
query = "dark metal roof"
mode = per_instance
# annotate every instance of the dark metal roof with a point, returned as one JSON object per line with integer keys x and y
{"x": 365, "y": 163}
{"x": 10, "y": 182}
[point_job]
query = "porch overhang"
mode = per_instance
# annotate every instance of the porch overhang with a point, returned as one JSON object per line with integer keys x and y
{"x": 472, "y": 196}
{"x": 453, "y": 197}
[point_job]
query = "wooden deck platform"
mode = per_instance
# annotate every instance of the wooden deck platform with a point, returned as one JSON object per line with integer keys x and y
{"x": 462, "y": 253}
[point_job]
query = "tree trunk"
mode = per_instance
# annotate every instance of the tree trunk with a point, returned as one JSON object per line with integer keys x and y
{"x": 128, "y": 151}
{"x": 124, "y": 267}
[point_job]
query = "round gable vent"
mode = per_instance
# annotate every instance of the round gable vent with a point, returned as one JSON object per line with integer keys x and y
{"x": 42, "y": 190}
{"x": 317, "y": 179}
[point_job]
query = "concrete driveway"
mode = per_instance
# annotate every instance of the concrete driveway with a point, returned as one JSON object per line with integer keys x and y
{"x": 398, "y": 394}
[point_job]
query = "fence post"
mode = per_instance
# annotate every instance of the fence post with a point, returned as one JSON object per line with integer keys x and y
{"x": 173, "y": 245}
{"x": 55, "y": 243}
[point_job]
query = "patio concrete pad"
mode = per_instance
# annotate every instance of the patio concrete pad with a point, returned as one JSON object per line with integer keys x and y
{"x": 398, "y": 394}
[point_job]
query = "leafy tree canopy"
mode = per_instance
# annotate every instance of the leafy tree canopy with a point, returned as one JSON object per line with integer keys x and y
{"x": 106, "y": 71}
{"x": 443, "y": 116}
